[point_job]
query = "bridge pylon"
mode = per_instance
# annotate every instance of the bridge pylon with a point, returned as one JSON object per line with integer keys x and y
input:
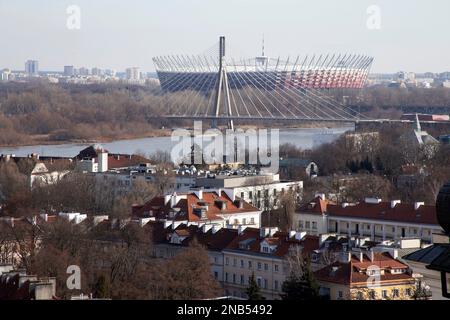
{"x": 222, "y": 87}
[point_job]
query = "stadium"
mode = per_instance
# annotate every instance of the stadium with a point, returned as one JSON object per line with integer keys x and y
{"x": 199, "y": 73}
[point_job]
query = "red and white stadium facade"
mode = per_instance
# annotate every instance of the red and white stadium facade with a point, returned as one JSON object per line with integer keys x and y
{"x": 316, "y": 72}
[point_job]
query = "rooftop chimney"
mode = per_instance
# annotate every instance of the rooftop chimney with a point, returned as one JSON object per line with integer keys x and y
{"x": 300, "y": 235}
{"x": 173, "y": 200}
{"x": 199, "y": 193}
{"x": 418, "y": 204}
{"x": 394, "y": 203}
{"x": 206, "y": 227}
{"x": 216, "y": 228}
{"x": 102, "y": 158}
{"x": 372, "y": 200}
{"x": 320, "y": 195}
{"x": 241, "y": 229}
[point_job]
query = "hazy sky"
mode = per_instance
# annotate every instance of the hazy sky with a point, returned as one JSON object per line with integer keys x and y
{"x": 414, "y": 34}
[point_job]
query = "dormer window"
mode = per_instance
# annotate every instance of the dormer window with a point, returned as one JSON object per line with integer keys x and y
{"x": 265, "y": 249}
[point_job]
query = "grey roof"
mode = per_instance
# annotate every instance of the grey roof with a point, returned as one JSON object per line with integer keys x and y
{"x": 427, "y": 255}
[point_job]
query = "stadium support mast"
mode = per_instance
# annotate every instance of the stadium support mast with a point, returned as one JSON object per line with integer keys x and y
{"x": 222, "y": 86}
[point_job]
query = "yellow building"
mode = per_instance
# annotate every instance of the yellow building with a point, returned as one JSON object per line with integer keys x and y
{"x": 366, "y": 276}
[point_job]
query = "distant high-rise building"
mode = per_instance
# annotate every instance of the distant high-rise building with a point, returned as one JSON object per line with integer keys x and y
{"x": 97, "y": 72}
{"x": 5, "y": 74}
{"x": 133, "y": 73}
{"x": 32, "y": 68}
{"x": 69, "y": 71}
{"x": 110, "y": 72}
{"x": 83, "y": 71}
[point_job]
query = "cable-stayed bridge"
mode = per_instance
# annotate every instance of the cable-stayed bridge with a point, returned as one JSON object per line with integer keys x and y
{"x": 214, "y": 87}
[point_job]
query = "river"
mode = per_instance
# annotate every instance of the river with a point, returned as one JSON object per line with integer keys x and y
{"x": 305, "y": 138}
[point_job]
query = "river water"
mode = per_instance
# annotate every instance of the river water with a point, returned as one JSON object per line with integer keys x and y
{"x": 305, "y": 138}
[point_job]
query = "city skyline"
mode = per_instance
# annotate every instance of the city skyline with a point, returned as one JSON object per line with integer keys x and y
{"x": 118, "y": 35}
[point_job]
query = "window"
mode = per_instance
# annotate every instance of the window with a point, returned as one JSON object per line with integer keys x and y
{"x": 242, "y": 279}
{"x": 300, "y": 224}
{"x": 307, "y": 224}
{"x": 275, "y": 285}
{"x": 359, "y": 295}
{"x": 340, "y": 294}
{"x": 242, "y": 263}
{"x": 266, "y": 249}
{"x": 275, "y": 192}
{"x": 234, "y": 262}
{"x": 266, "y": 267}
{"x": 371, "y": 272}
{"x": 265, "y": 283}
{"x": 372, "y": 294}
{"x": 244, "y": 221}
{"x": 250, "y": 195}
{"x": 276, "y": 268}
{"x": 216, "y": 275}
{"x": 258, "y": 281}
{"x": 384, "y": 294}
{"x": 408, "y": 292}
{"x": 242, "y": 195}
{"x": 226, "y": 276}
{"x": 314, "y": 225}
{"x": 227, "y": 261}
{"x": 236, "y": 221}
{"x": 234, "y": 278}
{"x": 368, "y": 227}
{"x": 249, "y": 264}
{"x": 259, "y": 265}
{"x": 395, "y": 293}
{"x": 215, "y": 259}
{"x": 259, "y": 193}
{"x": 252, "y": 220}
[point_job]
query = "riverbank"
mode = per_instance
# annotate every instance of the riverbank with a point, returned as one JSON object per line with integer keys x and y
{"x": 305, "y": 138}
{"x": 46, "y": 140}
{"x": 35, "y": 140}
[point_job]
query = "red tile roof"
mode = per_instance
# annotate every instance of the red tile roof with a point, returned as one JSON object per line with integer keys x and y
{"x": 212, "y": 241}
{"x": 281, "y": 239}
{"x": 353, "y": 272}
{"x": 124, "y": 160}
{"x": 402, "y": 212}
{"x": 186, "y": 207}
{"x": 316, "y": 206}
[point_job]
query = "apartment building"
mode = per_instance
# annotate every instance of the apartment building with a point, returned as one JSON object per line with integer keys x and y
{"x": 372, "y": 217}
{"x": 215, "y": 206}
{"x": 170, "y": 239}
{"x": 262, "y": 191}
{"x": 262, "y": 252}
{"x": 367, "y": 275}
